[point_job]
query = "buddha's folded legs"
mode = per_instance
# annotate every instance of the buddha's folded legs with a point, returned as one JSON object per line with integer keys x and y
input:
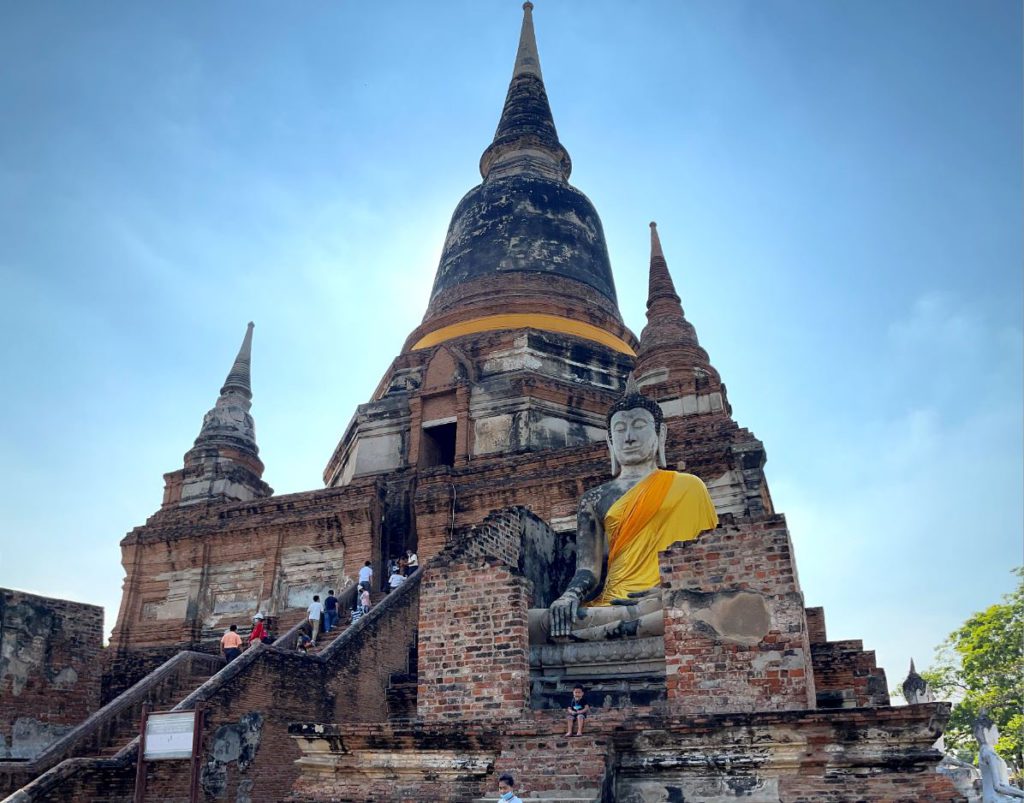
{"x": 604, "y": 622}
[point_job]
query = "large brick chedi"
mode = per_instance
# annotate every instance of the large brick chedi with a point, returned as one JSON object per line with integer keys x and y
{"x": 474, "y": 450}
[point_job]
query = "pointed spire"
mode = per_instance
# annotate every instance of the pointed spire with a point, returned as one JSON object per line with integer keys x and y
{"x": 668, "y": 340}
{"x": 229, "y": 420}
{"x": 223, "y": 463}
{"x": 526, "y": 140}
{"x": 915, "y": 688}
{"x": 660, "y": 283}
{"x": 527, "y": 58}
{"x": 238, "y": 379}
{"x": 664, "y": 309}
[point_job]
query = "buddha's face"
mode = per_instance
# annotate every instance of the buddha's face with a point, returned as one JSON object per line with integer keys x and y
{"x": 989, "y": 735}
{"x": 633, "y": 437}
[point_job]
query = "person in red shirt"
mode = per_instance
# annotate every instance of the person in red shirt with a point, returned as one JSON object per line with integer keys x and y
{"x": 259, "y": 630}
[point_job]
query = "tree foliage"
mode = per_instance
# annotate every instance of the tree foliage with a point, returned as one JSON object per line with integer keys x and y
{"x": 981, "y": 666}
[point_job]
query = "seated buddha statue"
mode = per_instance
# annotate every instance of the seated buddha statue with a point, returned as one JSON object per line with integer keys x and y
{"x": 621, "y": 527}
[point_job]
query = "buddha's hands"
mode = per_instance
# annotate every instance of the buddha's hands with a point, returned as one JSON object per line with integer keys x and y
{"x": 634, "y": 597}
{"x": 563, "y": 612}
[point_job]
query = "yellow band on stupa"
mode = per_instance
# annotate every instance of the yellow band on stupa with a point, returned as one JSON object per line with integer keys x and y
{"x": 519, "y": 320}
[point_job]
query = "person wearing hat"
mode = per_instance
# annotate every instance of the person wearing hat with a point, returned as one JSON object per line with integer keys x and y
{"x": 259, "y": 630}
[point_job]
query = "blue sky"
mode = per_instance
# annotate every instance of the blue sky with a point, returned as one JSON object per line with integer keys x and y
{"x": 837, "y": 187}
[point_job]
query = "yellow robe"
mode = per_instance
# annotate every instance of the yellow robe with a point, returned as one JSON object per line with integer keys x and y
{"x": 663, "y": 508}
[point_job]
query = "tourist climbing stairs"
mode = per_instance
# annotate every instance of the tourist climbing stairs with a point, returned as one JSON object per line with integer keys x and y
{"x": 324, "y": 640}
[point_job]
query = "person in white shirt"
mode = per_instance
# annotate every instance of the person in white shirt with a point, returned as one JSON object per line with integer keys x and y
{"x": 412, "y": 562}
{"x": 396, "y": 579}
{"x": 366, "y": 575}
{"x": 313, "y": 613}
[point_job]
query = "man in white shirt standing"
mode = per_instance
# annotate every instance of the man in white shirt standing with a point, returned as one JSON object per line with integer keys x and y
{"x": 366, "y": 575}
{"x": 313, "y": 613}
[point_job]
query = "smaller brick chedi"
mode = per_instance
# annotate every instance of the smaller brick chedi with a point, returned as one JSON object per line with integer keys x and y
{"x": 486, "y": 449}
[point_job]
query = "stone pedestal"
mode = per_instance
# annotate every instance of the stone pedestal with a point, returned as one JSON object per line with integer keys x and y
{"x": 614, "y": 674}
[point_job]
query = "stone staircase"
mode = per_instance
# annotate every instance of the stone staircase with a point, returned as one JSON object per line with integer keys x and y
{"x": 115, "y": 726}
{"x": 119, "y": 738}
{"x": 345, "y": 619}
{"x": 96, "y": 760}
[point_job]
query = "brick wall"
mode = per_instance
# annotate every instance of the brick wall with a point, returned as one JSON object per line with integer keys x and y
{"x": 193, "y": 571}
{"x": 873, "y": 756}
{"x": 866, "y": 755}
{"x": 845, "y": 675}
{"x": 545, "y": 765}
{"x": 377, "y": 762}
{"x": 735, "y": 627}
{"x": 473, "y": 642}
{"x": 50, "y": 667}
{"x": 815, "y": 625}
{"x": 247, "y": 754}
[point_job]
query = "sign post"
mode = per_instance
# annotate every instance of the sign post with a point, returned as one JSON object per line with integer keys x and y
{"x": 168, "y": 736}
{"x": 140, "y": 764}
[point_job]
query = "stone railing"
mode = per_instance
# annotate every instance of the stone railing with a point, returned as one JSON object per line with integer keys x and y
{"x": 158, "y": 687}
{"x": 57, "y": 779}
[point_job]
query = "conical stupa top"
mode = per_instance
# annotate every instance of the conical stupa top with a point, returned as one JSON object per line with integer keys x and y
{"x": 526, "y": 140}
{"x": 914, "y": 687}
{"x": 664, "y": 309}
{"x": 238, "y": 379}
{"x": 667, "y": 327}
{"x": 525, "y": 249}
{"x": 660, "y": 283}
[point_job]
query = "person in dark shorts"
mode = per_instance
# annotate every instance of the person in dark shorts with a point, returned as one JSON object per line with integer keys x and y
{"x": 577, "y": 712}
{"x": 231, "y": 644}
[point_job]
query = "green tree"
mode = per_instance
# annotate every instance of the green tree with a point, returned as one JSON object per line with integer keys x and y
{"x": 981, "y": 666}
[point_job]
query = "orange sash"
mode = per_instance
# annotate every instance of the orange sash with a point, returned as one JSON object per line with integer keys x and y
{"x": 642, "y": 501}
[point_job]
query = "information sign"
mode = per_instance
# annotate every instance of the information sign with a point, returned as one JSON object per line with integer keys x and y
{"x": 169, "y": 735}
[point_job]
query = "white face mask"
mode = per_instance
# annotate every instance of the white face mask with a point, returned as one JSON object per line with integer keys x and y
{"x": 507, "y": 796}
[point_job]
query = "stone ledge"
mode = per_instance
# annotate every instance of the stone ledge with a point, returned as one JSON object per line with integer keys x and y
{"x": 630, "y": 653}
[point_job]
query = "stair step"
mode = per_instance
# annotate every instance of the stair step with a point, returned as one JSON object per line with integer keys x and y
{"x": 116, "y": 747}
